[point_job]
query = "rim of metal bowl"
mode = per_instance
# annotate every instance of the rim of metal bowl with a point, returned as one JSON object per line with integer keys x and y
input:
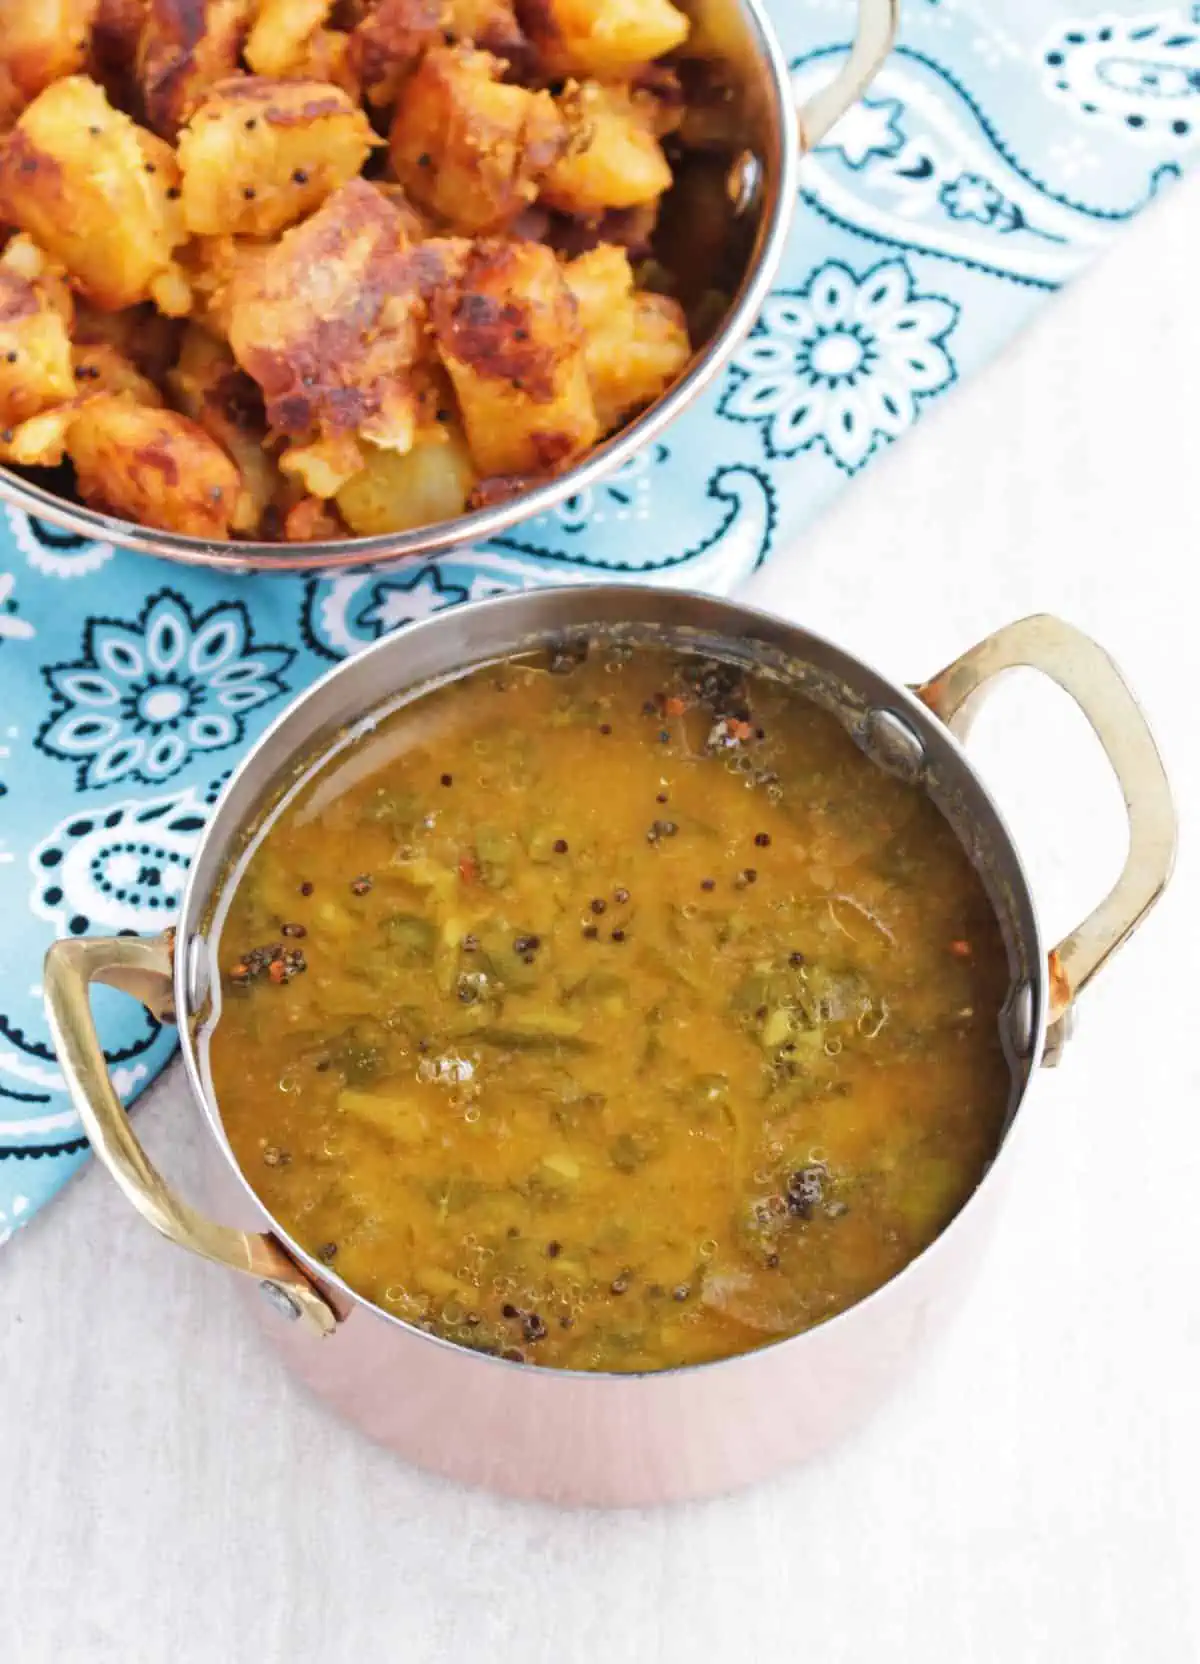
{"x": 482, "y": 524}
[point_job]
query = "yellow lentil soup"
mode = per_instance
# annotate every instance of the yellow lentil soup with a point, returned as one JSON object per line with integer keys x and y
{"x": 610, "y": 1010}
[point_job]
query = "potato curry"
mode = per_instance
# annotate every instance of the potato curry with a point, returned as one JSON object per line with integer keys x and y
{"x": 309, "y": 269}
{"x": 608, "y": 1009}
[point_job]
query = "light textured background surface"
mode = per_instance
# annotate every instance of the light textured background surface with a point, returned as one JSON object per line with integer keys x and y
{"x": 167, "y": 1497}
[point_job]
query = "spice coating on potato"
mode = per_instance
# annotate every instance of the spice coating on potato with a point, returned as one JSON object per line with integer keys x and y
{"x": 113, "y": 51}
{"x": 606, "y": 38}
{"x": 508, "y": 333}
{"x": 637, "y": 343}
{"x": 326, "y": 56}
{"x": 387, "y": 44}
{"x": 330, "y": 323}
{"x": 613, "y": 159}
{"x": 99, "y": 367}
{"x": 139, "y": 333}
{"x": 152, "y": 466}
{"x": 260, "y": 154}
{"x": 96, "y": 191}
{"x": 468, "y": 146}
{"x": 35, "y": 350}
{"x": 281, "y": 32}
{"x": 185, "y": 48}
{"x": 208, "y": 386}
{"x": 42, "y": 40}
{"x": 389, "y": 41}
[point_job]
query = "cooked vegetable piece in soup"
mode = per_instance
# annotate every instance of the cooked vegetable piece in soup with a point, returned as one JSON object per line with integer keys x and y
{"x": 608, "y": 1009}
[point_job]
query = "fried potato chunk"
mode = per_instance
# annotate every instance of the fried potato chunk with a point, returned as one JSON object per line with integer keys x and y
{"x": 148, "y": 340}
{"x": 389, "y": 41}
{"x": 605, "y": 38}
{"x": 207, "y": 385}
{"x": 98, "y": 192}
{"x": 99, "y": 367}
{"x": 152, "y": 466}
{"x": 329, "y": 324}
{"x": 468, "y": 146}
{"x": 42, "y": 40}
{"x": 327, "y": 56}
{"x": 491, "y": 24}
{"x": 35, "y": 346}
{"x": 637, "y": 342}
{"x": 391, "y": 493}
{"x": 281, "y": 33}
{"x": 508, "y": 333}
{"x": 260, "y": 154}
{"x": 185, "y": 48}
{"x": 613, "y": 159}
{"x": 112, "y": 58}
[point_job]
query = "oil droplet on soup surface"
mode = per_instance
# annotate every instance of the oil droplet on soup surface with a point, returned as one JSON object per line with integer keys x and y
{"x": 657, "y": 1045}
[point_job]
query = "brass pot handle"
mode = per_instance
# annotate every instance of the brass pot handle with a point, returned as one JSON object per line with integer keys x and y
{"x": 878, "y": 21}
{"x": 143, "y": 968}
{"x": 1093, "y": 681}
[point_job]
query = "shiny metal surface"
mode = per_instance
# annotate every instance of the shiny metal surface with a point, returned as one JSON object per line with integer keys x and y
{"x": 740, "y": 34}
{"x": 143, "y": 968}
{"x": 1085, "y": 671}
{"x": 622, "y": 1439}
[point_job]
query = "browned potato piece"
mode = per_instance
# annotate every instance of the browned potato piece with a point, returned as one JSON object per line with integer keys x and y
{"x": 12, "y": 101}
{"x": 614, "y": 159}
{"x": 508, "y": 333}
{"x": 112, "y": 60}
{"x": 387, "y": 43}
{"x": 208, "y": 386}
{"x": 637, "y": 343}
{"x": 394, "y": 493}
{"x": 312, "y": 521}
{"x": 416, "y": 226}
{"x": 148, "y": 340}
{"x": 98, "y": 192}
{"x": 329, "y": 324}
{"x": 211, "y": 264}
{"x": 24, "y": 258}
{"x": 259, "y": 155}
{"x": 43, "y": 40}
{"x": 100, "y": 368}
{"x": 186, "y": 47}
{"x": 281, "y": 32}
{"x": 491, "y": 24}
{"x": 327, "y": 56}
{"x": 606, "y": 38}
{"x": 35, "y": 349}
{"x": 389, "y": 40}
{"x": 468, "y": 146}
{"x": 152, "y": 466}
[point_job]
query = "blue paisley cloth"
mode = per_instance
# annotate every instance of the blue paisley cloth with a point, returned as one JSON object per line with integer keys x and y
{"x": 1002, "y": 147}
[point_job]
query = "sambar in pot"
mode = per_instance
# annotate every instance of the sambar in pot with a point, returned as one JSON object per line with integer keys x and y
{"x": 616, "y": 1007}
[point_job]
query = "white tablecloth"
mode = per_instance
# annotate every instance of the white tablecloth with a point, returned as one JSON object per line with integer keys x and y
{"x": 168, "y": 1497}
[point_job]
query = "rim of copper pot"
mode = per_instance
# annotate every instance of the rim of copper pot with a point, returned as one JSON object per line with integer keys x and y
{"x": 1023, "y": 1069}
{"x": 778, "y": 180}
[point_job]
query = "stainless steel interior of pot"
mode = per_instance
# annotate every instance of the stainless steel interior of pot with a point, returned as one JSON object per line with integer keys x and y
{"x": 891, "y": 726}
{"x": 723, "y": 227}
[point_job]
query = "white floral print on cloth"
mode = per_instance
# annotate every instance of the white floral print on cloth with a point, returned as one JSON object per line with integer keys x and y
{"x": 842, "y": 363}
{"x": 999, "y": 150}
{"x": 145, "y": 699}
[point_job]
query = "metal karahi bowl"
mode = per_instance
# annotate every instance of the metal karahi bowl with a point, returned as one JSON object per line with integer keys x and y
{"x": 566, "y": 1435}
{"x": 762, "y": 191}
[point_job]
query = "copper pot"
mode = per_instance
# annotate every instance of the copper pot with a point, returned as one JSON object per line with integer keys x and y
{"x": 561, "y": 1434}
{"x": 763, "y": 191}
